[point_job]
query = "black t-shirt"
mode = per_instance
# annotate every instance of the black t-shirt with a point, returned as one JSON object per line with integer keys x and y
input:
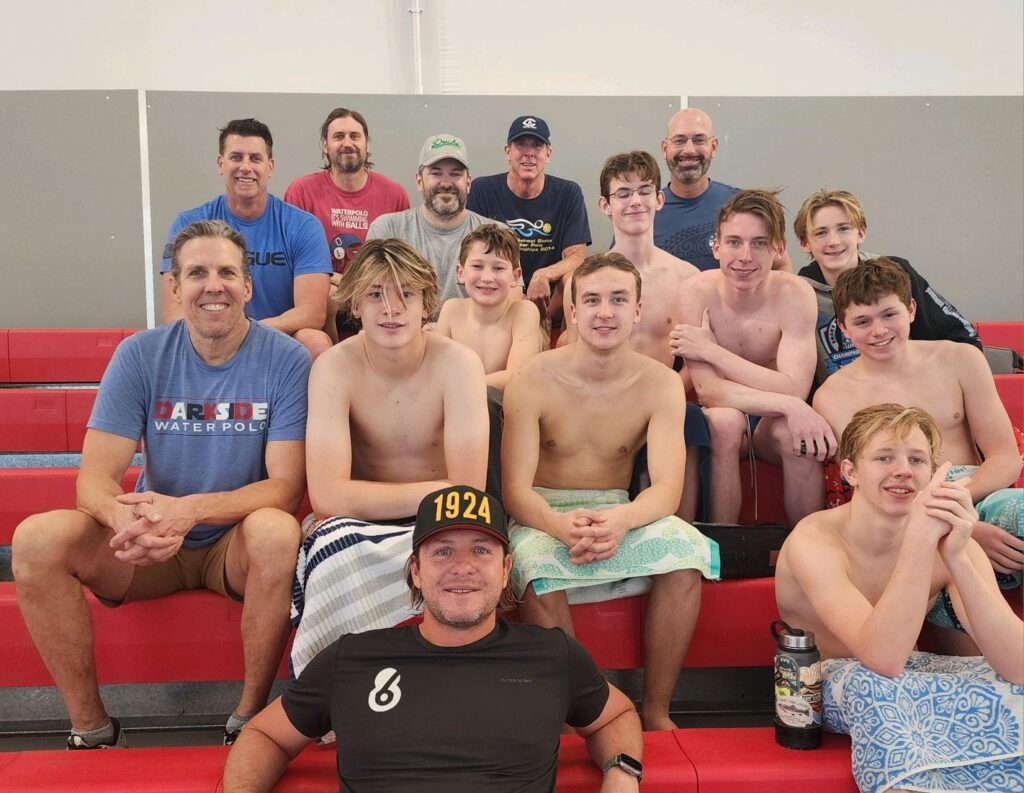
{"x": 410, "y": 716}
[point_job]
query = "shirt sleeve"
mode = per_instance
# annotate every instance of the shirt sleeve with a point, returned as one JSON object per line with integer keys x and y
{"x": 577, "y": 226}
{"x": 307, "y": 701}
{"x": 179, "y": 222}
{"x": 122, "y": 400}
{"x": 588, "y": 690}
{"x": 380, "y": 228}
{"x": 308, "y": 246}
{"x": 937, "y": 318}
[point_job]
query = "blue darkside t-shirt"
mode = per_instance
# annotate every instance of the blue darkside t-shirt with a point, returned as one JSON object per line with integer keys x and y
{"x": 281, "y": 243}
{"x": 545, "y": 225}
{"x": 685, "y": 227}
{"x": 204, "y": 428}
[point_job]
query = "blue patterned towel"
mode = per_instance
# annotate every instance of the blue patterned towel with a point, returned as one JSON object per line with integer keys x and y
{"x": 665, "y": 545}
{"x": 350, "y": 578}
{"x": 944, "y": 724}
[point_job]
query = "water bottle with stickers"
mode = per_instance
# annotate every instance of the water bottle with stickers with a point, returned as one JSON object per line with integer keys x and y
{"x": 797, "y": 688}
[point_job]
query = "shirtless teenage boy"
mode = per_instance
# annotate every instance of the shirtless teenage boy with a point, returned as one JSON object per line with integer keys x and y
{"x": 494, "y": 321}
{"x": 395, "y": 414}
{"x": 631, "y": 197}
{"x": 950, "y": 381}
{"x": 862, "y": 578}
{"x": 575, "y": 418}
{"x": 747, "y": 336}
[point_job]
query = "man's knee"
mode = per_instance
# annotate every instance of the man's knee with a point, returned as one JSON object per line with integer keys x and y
{"x": 271, "y": 539}
{"x": 45, "y": 541}
{"x": 315, "y": 341}
{"x": 684, "y": 583}
{"x": 728, "y": 427}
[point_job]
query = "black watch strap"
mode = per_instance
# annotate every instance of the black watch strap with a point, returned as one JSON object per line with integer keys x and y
{"x": 628, "y": 764}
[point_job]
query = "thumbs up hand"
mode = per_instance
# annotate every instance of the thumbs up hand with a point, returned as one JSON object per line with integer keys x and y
{"x": 692, "y": 342}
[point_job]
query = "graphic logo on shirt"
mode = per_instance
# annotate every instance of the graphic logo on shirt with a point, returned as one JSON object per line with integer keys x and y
{"x": 343, "y": 248}
{"x": 185, "y": 417}
{"x": 350, "y": 218}
{"x": 263, "y": 258}
{"x": 385, "y": 693}
{"x": 839, "y": 350}
{"x": 530, "y": 228}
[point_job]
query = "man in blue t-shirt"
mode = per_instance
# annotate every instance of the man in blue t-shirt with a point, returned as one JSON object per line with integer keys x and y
{"x": 547, "y": 214}
{"x": 685, "y": 226}
{"x": 285, "y": 247}
{"x": 219, "y": 403}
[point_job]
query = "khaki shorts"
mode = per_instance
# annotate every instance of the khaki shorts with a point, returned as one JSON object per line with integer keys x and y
{"x": 189, "y": 568}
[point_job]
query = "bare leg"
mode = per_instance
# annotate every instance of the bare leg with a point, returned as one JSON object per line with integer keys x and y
{"x": 803, "y": 478}
{"x": 728, "y": 428}
{"x": 260, "y": 565}
{"x": 691, "y": 486}
{"x": 549, "y": 611}
{"x": 671, "y": 617}
{"x": 54, "y": 554}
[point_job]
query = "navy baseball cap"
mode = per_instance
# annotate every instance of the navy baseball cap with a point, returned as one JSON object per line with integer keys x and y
{"x": 529, "y": 125}
{"x": 460, "y": 507}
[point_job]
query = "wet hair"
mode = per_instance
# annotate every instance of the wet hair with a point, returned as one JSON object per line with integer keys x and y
{"x": 840, "y": 199}
{"x": 496, "y": 239}
{"x": 619, "y": 165}
{"x": 869, "y": 282}
{"x": 598, "y": 261}
{"x": 344, "y": 112}
{"x": 888, "y": 417}
{"x": 507, "y": 602}
{"x": 393, "y": 260}
{"x": 206, "y": 228}
{"x": 247, "y": 128}
{"x": 760, "y": 203}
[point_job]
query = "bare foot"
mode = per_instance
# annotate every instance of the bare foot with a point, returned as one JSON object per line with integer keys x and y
{"x": 657, "y": 722}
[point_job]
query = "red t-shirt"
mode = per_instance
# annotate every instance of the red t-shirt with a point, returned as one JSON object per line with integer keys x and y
{"x": 346, "y": 216}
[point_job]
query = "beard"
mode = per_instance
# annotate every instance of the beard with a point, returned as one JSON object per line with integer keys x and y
{"x": 443, "y": 210}
{"x": 344, "y": 164}
{"x": 690, "y": 172}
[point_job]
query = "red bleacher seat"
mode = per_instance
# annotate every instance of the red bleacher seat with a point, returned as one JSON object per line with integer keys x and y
{"x": 747, "y": 760}
{"x": 768, "y": 506}
{"x": 60, "y": 356}
{"x": 195, "y": 635}
{"x": 34, "y": 420}
{"x": 195, "y": 769}
{"x": 26, "y": 491}
{"x": 1002, "y": 334}
{"x": 5, "y": 358}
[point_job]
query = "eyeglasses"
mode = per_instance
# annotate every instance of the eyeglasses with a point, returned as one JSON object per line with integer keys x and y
{"x": 697, "y": 140}
{"x": 626, "y": 193}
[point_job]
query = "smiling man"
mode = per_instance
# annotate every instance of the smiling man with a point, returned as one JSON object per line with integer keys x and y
{"x": 437, "y": 227}
{"x": 346, "y": 195}
{"x": 395, "y": 413}
{"x": 575, "y": 420}
{"x": 950, "y": 381}
{"x": 461, "y": 703}
{"x": 686, "y": 225}
{"x": 747, "y": 336}
{"x": 285, "y": 247}
{"x": 219, "y": 403}
{"x": 548, "y": 214}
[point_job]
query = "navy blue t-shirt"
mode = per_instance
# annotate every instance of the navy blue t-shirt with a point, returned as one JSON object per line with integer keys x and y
{"x": 545, "y": 225}
{"x": 685, "y": 227}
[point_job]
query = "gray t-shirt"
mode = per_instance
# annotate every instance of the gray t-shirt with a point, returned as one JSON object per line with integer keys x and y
{"x": 438, "y": 246}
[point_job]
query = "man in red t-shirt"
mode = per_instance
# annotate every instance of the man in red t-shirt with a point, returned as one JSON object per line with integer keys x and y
{"x": 345, "y": 195}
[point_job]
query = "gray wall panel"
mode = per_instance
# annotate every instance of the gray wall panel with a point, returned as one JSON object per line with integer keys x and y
{"x": 71, "y": 250}
{"x": 941, "y": 179}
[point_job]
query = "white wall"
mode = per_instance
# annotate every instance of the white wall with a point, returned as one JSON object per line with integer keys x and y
{"x": 529, "y": 47}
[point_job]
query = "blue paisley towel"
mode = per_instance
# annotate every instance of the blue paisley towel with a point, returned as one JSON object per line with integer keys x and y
{"x": 944, "y": 724}
{"x": 665, "y": 545}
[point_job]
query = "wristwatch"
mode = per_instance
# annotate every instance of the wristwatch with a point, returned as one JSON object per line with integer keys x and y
{"x": 630, "y": 765}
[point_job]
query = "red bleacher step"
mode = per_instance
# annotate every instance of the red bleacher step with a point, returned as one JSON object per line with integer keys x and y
{"x": 61, "y": 356}
{"x": 195, "y": 636}
{"x": 198, "y": 769}
{"x": 1002, "y": 334}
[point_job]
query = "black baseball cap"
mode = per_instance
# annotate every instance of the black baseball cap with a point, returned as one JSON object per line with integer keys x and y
{"x": 529, "y": 125}
{"x": 460, "y": 507}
